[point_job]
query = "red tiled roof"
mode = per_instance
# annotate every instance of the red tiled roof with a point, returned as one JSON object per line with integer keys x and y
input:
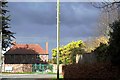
{"x": 26, "y": 49}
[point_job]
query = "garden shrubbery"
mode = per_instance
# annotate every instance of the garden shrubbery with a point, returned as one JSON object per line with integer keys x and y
{"x": 91, "y": 71}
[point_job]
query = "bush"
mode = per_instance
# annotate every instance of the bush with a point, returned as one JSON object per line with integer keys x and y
{"x": 101, "y": 53}
{"x": 92, "y": 71}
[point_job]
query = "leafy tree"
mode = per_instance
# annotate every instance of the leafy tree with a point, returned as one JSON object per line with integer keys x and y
{"x": 114, "y": 43}
{"x": 7, "y": 35}
{"x": 76, "y": 52}
{"x": 67, "y": 53}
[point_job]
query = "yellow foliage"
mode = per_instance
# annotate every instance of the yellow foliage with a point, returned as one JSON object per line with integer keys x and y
{"x": 93, "y": 43}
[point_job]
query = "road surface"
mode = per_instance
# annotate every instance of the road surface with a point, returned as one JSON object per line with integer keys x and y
{"x": 27, "y": 76}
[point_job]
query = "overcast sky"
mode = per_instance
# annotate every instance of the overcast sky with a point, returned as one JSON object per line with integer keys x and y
{"x": 35, "y": 22}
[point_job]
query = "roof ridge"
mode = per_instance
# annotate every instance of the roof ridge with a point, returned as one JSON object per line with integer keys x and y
{"x": 36, "y": 47}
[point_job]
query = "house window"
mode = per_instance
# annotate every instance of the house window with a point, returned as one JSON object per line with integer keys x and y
{"x": 38, "y": 57}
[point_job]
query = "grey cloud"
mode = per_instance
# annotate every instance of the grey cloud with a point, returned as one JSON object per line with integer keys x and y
{"x": 78, "y": 31}
{"x": 78, "y": 20}
{"x": 78, "y": 13}
{"x": 40, "y": 18}
{"x": 37, "y": 13}
{"x": 33, "y": 19}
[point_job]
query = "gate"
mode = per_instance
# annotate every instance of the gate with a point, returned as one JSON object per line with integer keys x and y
{"x": 42, "y": 68}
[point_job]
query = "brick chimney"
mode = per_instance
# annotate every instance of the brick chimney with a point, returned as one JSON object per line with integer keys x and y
{"x": 46, "y": 47}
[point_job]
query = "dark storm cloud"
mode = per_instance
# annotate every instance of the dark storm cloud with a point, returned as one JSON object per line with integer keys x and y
{"x": 78, "y": 20}
{"x": 40, "y": 18}
{"x": 37, "y": 13}
{"x": 78, "y": 31}
{"x": 33, "y": 19}
{"x": 78, "y": 13}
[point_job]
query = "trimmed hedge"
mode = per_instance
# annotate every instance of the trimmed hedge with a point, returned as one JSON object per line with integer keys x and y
{"x": 102, "y": 71}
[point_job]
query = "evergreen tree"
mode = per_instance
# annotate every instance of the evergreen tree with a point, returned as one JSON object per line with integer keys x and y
{"x": 114, "y": 47}
{"x": 101, "y": 53}
{"x": 7, "y": 35}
